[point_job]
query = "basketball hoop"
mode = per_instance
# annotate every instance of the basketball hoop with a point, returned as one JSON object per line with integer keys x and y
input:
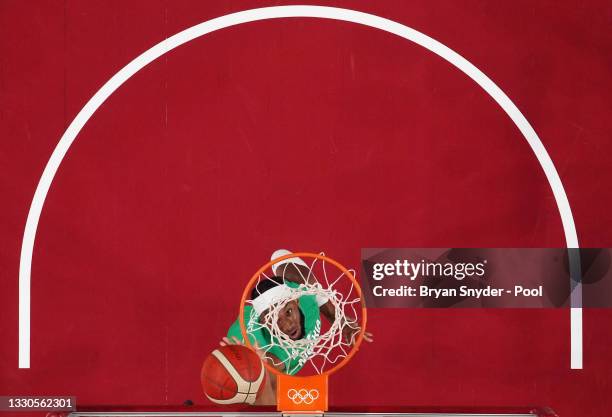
{"x": 314, "y": 281}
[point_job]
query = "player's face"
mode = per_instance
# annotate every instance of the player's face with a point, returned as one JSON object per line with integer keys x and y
{"x": 289, "y": 320}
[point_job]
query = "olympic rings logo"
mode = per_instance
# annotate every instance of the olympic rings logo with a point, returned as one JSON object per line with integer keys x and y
{"x": 303, "y": 396}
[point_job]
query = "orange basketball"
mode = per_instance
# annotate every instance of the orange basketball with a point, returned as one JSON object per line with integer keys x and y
{"x": 233, "y": 374}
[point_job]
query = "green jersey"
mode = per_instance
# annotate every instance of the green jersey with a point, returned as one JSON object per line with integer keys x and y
{"x": 293, "y": 358}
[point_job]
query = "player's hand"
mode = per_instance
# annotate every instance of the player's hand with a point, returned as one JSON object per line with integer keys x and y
{"x": 368, "y": 337}
{"x": 350, "y": 334}
{"x": 235, "y": 341}
{"x": 230, "y": 341}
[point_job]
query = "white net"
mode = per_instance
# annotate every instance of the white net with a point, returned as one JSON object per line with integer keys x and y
{"x": 330, "y": 310}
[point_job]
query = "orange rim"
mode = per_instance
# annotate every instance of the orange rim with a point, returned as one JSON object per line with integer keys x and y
{"x": 323, "y": 258}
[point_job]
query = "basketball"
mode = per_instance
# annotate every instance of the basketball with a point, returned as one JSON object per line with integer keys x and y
{"x": 233, "y": 374}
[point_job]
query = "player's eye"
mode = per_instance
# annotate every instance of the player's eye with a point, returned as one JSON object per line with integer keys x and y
{"x": 289, "y": 311}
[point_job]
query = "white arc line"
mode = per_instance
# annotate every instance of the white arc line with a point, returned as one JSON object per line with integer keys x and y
{"x": 347, "y": 15}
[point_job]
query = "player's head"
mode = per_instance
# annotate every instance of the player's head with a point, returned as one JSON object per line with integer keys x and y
{"x": 290, "y": 318}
